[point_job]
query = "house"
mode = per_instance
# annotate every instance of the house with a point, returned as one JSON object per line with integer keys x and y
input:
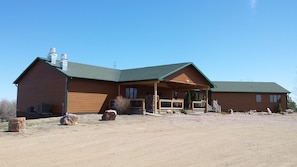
{"x": 53, "y": 87}
{"x": 50, "y": 86}
{"x": 245, "y": 96}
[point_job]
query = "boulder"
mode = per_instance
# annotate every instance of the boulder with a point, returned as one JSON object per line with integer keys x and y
{"x": 169, "y": 111}
{"x": 269, "y": 111}
{"x": 109, "y": 115}
{"x": 69, "y": 119}
{"x": 289, "y": 111}
{"x": 251, "y": 112}
{"x": 17, "y": 124}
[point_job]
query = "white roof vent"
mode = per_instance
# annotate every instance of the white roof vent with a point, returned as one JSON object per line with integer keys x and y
{"x": 64, "y": 62}
{"x": 52, "y": 56}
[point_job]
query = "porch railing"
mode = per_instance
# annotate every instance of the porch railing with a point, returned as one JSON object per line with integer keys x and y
{"x": 138, "y": 104}
{"x": 198, "y": 105}
{"x": 171, "y": 104}
{"x": 135, "y": 104}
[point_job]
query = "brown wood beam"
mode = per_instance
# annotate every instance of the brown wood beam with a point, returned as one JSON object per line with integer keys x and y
{"x": 155, "y": 97}
{"x": 206, "y": 105}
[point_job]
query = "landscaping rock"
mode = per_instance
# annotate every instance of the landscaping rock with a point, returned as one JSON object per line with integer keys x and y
{"x": 251, "y": 112}
{"x": 69, "y": 119}
{"x": 169, "y": 112}
{"x": 17, "y": 124}
{"x": 109, "y": 115}
{"x": 289, "y": 111}
{"x": 269, "y": 111}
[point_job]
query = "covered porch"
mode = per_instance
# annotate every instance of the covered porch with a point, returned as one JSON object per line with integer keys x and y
{"x": 165, "y": 96}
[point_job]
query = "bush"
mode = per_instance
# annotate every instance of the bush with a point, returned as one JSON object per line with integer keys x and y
{"x": 279, "y": 108}
{"x": 7, "y": 110}
{"x": 183, "y": 111}
{"x": 122, "y": 104}
{"x": 292, "y": 105}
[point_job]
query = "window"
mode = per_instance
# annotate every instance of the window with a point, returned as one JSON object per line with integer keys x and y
{"x": 131, "y": 93}
{"x": 275, "y": 98}
{"x": 258, "y": 98}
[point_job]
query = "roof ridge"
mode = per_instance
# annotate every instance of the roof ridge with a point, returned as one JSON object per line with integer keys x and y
{"x": 265, "y": 87}
{"x": 153, "y": 66}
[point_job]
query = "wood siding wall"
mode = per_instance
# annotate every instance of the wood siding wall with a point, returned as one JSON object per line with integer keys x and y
{"x": 247, "y": 101}
{"x": 41, "y": 84}
{"x": 188, "y": 75}
{"x": 90, "y": 96}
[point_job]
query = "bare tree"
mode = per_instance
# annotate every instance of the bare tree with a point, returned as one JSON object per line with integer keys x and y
{"x": 7, "y": 110}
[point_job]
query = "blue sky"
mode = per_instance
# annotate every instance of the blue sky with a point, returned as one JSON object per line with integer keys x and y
{"x": 228, "y": 40}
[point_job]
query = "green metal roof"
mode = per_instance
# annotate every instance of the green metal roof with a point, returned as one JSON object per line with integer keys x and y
{"x": 129, "y": 75}
{"x": 150, "y": 73}
{"x": 248, "y": 87}
{"x": 78, "y": 70}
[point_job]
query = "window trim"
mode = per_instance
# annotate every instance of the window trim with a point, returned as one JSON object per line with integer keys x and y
{"x": 258, "y": 98}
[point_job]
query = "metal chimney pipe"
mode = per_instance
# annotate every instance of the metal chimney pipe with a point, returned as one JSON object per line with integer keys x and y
{"x": 64, "y": 62}
{"x": 52, "y": 55}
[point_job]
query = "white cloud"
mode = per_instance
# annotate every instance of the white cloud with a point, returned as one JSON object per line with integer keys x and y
{"x": 253, "y": 3}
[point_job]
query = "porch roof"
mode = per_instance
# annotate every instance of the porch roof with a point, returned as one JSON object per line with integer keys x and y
{"x": 248, "y": 87}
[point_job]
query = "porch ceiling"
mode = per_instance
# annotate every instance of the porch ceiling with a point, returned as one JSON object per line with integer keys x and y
{"x": 181, "y": 86}
{"x": 170, "y": 85}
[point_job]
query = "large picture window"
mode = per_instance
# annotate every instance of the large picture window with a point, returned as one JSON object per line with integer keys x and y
{"x": 131, "y": 93}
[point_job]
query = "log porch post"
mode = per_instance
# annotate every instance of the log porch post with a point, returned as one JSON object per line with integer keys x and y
{"x": 155, "y": 97}
{"x": 206, "y": 105}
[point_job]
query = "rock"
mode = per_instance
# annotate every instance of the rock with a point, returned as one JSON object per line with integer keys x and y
{"x": 69, "y": 119}
{"x": 289, "y": 111}
{"x": 169, "y": 111}
{"x": 251, "y": 112}
{"x": 262, "y": 113}
{"x": 17, "y": 124}
{"x": 269, "y": 111}
{"x": 109, "y": 115}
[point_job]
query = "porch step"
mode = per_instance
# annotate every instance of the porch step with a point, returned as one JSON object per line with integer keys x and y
{"x": 191, "y": 112}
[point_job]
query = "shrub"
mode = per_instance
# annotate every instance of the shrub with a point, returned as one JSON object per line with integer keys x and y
{"x": 122, "y": 104}
{"x": 7, "y": 110}
{"x": 279, "y": 108}
{"x": 292, "y": 105}
{"x": 183, "y": 111}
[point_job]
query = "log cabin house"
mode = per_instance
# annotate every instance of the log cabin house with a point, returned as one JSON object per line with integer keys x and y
{"x": 50, "y": 87}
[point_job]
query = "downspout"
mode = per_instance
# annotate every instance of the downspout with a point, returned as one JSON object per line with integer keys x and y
{"x": 66, "y": 97}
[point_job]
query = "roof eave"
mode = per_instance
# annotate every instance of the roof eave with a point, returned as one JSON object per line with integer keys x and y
{"x": 33, "y": 63}
{"x": 245, "y": 92}
{"x": 26, "y": 70}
